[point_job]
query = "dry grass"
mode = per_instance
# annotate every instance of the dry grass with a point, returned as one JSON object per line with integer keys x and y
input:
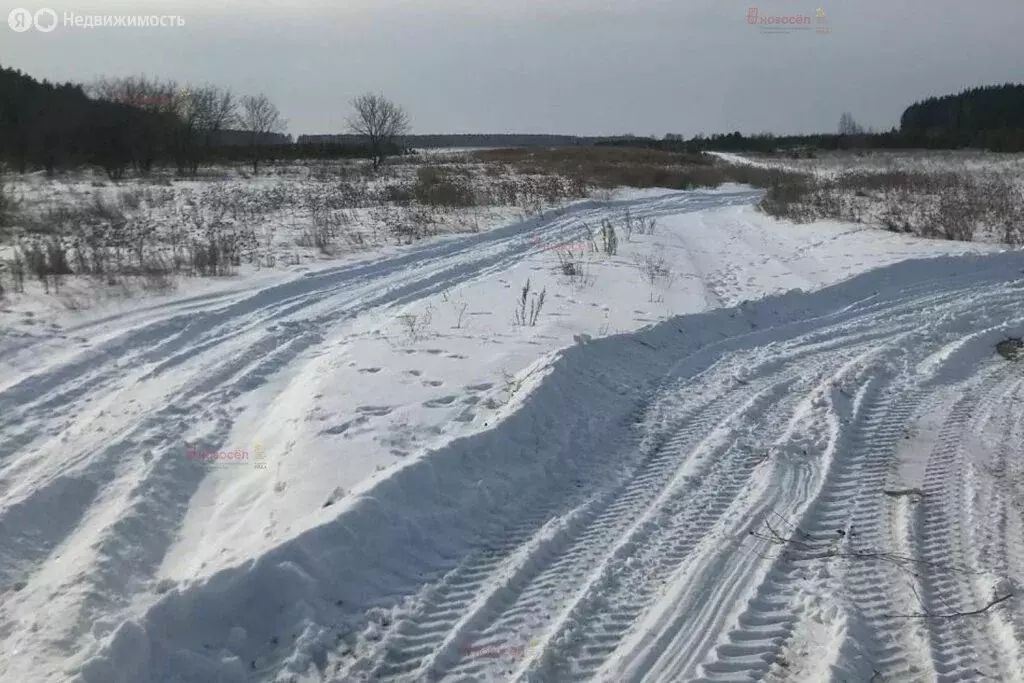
{"x": 609, "y": 167}
{"x": 948, "y": 205}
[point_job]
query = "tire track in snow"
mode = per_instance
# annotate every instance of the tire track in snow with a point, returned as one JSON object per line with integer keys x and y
{"x": 699, "y": 459}
{"x": 1002, "y": 551}
{"x": 873, "y": 581}
{"x": 757, "y": 641}
{"x": 961, "y": 649}
{"x": 631, "y": 577}
{"x": 582, "y": 538}
{"x": 855, "y": 489}
{"x": 526, "y": 606}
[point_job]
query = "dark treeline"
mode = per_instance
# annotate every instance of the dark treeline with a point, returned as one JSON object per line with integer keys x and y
{"x": 135, "y": 124}
{"x": 979, "y": 109}
{"x": 989, "y": 118}
{"x": 46, "y": 125}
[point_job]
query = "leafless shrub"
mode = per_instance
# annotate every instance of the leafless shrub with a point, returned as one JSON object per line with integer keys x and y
{"x": 653, "y": 268}
{"x": 1011, "y": 349}
{"x": 609, "y": 238}
{"x": 957, "y": 214}
{"x": 647, "y": 226}
{"x": 460, "y": 313}
{"x": 437, "y": 187}
{"x": 1005, "y": 203}
{"x": 528, "y": 307}
{"x": 786, "y": 195}
{"x": 573, "y": 266}
{"x": 569, "y": 263}
{"x": 591, "y": 238}
{"x": 628, "y": 226}
{"x": 417, "y": 326}
{"x": 897, "y": 212}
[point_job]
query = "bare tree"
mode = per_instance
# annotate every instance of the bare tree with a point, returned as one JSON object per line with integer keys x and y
{"x": 259, "y": 117}
{"x": 380, "y": 121}
{"x": 849, "y": 126}
{"x": 204, "y": 111}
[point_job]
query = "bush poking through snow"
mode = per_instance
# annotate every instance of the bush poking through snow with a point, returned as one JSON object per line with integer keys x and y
{"x": 609, "y": 239}
{"x": 653, "y": 267}
{"x": 459, "y": 308}
{"x": 417, "y": 326}
{"x": 528, "y": 307}
{"x": 1011, "y": 349}
{"x": 435, "y": 186}
{"x": 573, "y": 266}
{"x": 635, "y": 224}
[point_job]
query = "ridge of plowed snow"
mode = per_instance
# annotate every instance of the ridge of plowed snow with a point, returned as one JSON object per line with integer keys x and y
{"x": 611, "y": 537}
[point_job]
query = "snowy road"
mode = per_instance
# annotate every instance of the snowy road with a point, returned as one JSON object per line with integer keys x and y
{"x": 774, "y": 491}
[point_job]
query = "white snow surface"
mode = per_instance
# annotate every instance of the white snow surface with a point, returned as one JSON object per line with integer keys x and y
{"x": 771, "y": 461}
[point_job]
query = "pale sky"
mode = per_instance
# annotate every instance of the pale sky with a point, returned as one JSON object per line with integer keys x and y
{"x": 587, "y": 67}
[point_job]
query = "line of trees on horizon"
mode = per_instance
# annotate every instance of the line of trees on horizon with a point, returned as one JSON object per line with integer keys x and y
{"x": 990, "y": 118}
{"x": 138, "y": 123}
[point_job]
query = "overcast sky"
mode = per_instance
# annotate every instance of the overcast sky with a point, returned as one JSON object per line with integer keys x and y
{"x": 550, "y": 66}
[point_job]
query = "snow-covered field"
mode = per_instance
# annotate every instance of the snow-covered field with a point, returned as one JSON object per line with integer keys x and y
{"x": 687, "y": 469}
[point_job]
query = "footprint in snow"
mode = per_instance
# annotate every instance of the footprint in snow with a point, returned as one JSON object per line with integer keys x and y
{"x": 377, "y": 411}
{"x": 371, "y": 371}
{"x": 344, "y": 427}
{"x": 440, "y": 402}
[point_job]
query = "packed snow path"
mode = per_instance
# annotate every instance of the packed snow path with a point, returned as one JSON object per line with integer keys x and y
{"x": 810, "y": 477}
{"x": 783, "y": 490}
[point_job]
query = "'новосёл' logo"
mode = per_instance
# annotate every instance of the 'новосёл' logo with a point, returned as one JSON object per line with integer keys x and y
{"x": 788, "y": 23}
